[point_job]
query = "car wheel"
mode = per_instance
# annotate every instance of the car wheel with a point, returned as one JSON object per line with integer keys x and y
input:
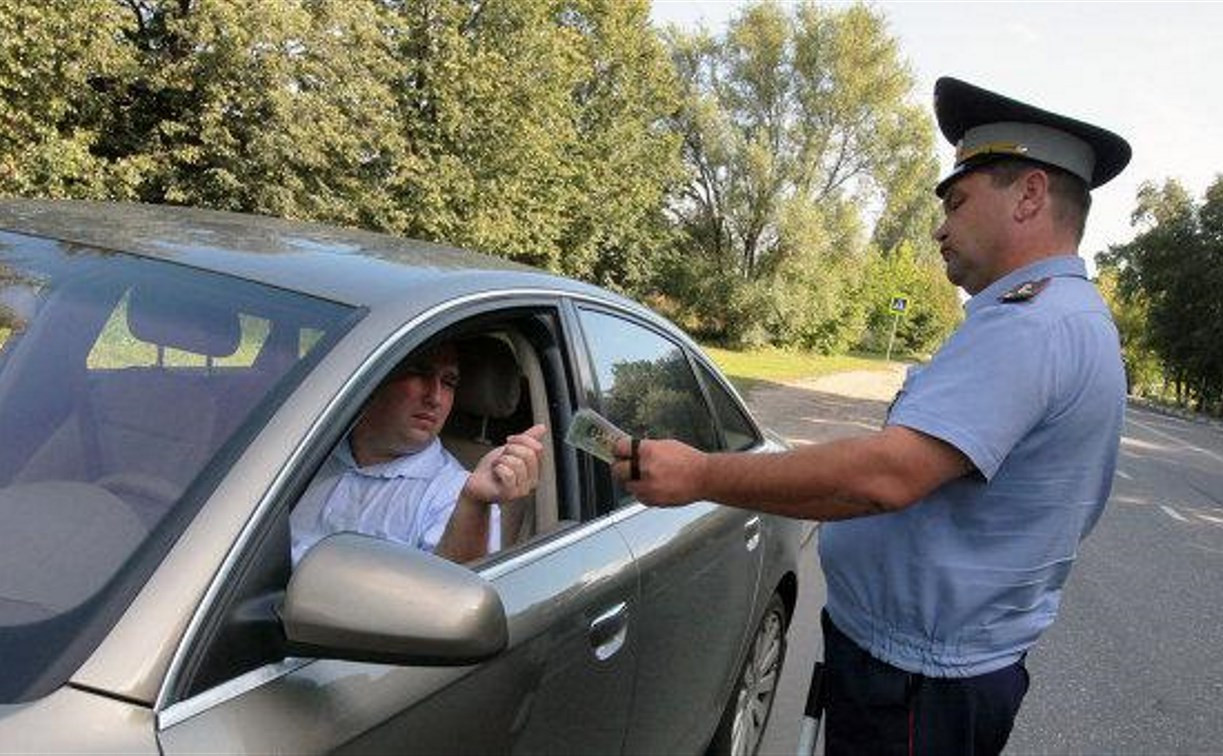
{"x": 743, "y": 722}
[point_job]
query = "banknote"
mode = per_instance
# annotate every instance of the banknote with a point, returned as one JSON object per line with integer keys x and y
{"x": 591, "y": 432}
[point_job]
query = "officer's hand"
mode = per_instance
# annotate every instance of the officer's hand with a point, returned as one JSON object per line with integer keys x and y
{"x": 665, "y": 473}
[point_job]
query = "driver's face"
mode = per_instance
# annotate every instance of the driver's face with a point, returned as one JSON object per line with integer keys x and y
{"x": 411, "y": 409}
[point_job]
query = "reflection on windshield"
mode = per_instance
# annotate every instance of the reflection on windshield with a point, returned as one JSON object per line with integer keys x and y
{"x": 18, "y": 293}
{"x": 8, "y": 324}
{"x": 122, "y": 379}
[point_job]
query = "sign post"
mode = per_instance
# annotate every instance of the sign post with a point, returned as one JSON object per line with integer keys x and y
{"x": 898, "y": 306}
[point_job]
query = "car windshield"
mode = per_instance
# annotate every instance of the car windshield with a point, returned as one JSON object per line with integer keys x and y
{"x": 125, "y": 382}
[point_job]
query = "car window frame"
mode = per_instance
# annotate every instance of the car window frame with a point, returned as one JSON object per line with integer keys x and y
{"x": 176, "y": 700}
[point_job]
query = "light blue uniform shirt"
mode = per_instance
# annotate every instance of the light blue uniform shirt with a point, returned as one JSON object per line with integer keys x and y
{"x": 964, "y": 581}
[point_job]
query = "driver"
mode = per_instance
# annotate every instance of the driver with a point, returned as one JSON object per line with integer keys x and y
{"x": 390, "y": 477}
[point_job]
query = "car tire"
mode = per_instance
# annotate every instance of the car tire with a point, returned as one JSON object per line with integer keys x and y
{"x": 741, "y": 729}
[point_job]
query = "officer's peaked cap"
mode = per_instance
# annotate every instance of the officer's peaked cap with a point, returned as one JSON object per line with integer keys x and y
{"x": 985, "y": 126}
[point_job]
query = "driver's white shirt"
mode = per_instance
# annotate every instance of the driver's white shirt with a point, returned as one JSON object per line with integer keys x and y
{"x": 408, "y": 500}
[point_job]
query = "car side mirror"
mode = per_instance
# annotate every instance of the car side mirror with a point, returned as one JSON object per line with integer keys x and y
{"x": 366, "y": 599}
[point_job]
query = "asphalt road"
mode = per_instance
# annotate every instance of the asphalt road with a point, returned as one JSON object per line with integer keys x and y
{"x": 1134, "y": 663}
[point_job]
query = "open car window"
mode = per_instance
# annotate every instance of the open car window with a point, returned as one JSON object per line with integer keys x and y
{"x": 500, "y": 388}
{"x": 510, "y": 377}
{"x": 122, "y": 380}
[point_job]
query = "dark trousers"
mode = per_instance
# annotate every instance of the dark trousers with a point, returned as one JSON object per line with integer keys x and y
{"x": 875, "y": 708}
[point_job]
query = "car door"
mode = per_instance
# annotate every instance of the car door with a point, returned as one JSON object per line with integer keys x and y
{"x": 563, "y": 684}
{"x": 699, "y": 564}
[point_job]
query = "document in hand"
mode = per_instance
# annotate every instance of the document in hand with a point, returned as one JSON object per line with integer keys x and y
{"x": 591, "y": 432}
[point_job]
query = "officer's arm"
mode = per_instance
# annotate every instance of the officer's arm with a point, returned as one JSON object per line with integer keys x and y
{"x": 881, "y": 472}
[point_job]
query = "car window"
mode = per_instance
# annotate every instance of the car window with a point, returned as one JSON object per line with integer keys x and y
{"x": 508, "y": 379}
{"x": 121, "y": 380}
{"x": 646, "y": 385}
{"x": 738, "y": 432}
{"x": 442, "y": 408}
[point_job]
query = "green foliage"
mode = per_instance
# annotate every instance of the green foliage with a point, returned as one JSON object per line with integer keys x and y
{"x": 1144, "y": 375}
{"x": 525, "y": 128}
{"x": 793, "y": 124}
{"x": 54, "y": 57}
{"x": 616, "y": 223}
{"x": 1172, "y": 272}
{"x": 279, "y": 108}
{"x": 932, "y": 310}
{"x": 765, "y": 186}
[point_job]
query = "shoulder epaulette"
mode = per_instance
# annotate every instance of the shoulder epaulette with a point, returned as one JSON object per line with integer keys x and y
{"x": 1024, "y": 292}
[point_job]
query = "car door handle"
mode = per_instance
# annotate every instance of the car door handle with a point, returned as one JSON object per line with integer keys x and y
{"x": 751, "y": 532}
{"x": 608, "y": 631}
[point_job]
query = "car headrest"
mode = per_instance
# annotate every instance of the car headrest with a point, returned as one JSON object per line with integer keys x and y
{"x": 182, "y": 320}
{"x": 489, "y": 382}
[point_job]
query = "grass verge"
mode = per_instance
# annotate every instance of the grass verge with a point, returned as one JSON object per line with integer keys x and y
{"x": 748, "y": 369}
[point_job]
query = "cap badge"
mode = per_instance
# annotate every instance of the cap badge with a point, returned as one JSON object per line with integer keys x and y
{"x": 1025, "y": 291}
{"x": 963, "y": 153}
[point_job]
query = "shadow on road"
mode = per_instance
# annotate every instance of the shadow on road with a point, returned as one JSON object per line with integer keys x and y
{"x": 803, "y": 416}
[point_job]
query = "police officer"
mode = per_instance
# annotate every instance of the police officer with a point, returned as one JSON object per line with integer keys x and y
{"x": 955, "y": 526}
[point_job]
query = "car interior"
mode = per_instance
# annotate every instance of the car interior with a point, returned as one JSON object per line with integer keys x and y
{"x": 123, "y": 387}
{"x": 143, "y": 431}
{"x": 500, "y": 385}
{"x": 507, "y": 366}
{"x": 116, "y": 434}
{"x": 104, "y": 467}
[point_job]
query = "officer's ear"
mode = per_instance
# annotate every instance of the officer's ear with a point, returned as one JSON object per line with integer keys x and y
{"x": 1032, "y": 194}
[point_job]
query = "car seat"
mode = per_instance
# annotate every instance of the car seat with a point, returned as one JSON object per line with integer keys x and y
{"x": 145, "y": 432}
{"x": 488, "y": 407}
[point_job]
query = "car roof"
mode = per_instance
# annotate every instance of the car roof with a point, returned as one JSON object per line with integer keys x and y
{"x": 350, "y": 266}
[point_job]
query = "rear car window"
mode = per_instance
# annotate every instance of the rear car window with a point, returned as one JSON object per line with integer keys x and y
{"x": 125, "y": 383}
{"x": 738, "y": 432}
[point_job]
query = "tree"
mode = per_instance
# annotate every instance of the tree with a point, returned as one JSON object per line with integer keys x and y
{"x": 530, "y": 129}
{"x": 1174, "y": 267}
{"x": 932, "y": 308}
{"x": 616, "y": 224}
{"x": 1143, "y": 373}
{"x": 533, "y": 131}
{"x": 799, "y": 139}
{"x": 52, "y": 56}
{"x": 282, "y": 108}
{"x": 279, "y": 107}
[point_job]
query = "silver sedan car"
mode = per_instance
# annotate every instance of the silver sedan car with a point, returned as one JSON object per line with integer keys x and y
{"x": 171, "y": 380}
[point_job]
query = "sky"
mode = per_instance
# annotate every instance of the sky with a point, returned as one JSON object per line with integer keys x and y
{"x": 1150, "y": 71}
